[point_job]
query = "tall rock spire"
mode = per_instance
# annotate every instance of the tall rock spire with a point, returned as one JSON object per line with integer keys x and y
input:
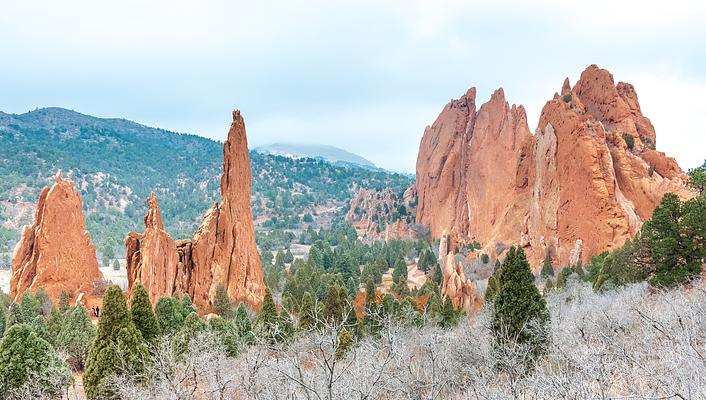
{"x": 222, "y": 250}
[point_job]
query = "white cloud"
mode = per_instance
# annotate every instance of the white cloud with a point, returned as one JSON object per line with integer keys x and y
{"x": 366, "y": 76}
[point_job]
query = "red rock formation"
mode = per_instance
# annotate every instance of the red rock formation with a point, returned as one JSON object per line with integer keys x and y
{"x": 370, "y": 209}
{"x": 574, "y": 189}
{"x": 56, "y": 252}
{"x": 152, "y": 257}
{"x": 222, "y": 250}
{"x": 455, "y": 286}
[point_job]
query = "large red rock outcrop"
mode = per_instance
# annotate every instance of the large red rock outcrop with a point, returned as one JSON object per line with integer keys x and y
{"x": 222, "y": 250}
{"x": 583, "y": 184}
{"x": 55, "y": 252}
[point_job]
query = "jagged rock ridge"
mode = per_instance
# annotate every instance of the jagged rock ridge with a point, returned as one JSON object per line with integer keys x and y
{"x": 582, "y": 184}
{"x": 55, "y": 252}
{"x": 222, "y": 250}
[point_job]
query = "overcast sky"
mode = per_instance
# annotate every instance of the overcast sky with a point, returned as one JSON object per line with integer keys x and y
{"x": 366, "y": 76}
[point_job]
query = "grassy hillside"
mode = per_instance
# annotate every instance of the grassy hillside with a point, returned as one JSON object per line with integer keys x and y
{"x": 116, "y": 163}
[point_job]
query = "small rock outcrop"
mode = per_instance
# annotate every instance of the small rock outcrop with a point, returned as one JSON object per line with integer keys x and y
{"x": 456, "y": 286}
{"x": 582, "y": 184}
{"x": 55, "y": 252}
{"x": 222, "y": 250}
{"x": 383, "y": 214}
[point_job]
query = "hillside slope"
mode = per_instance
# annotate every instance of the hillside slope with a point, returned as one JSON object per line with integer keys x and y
{"x": 116, "y": 163}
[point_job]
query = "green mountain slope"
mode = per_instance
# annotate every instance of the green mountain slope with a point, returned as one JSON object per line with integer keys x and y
{"x": 116, "y": 163}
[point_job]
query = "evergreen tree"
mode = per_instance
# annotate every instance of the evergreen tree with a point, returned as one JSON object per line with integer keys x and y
{"x": 493, "y": 285}
{"x": 434, "y": 308}
{"x": 400, "y": 287}
{"x": 279, "y": 259}
{"x": 192, "y": 327}
{"x": 307, "y": 313}
{"x": 225, "y": 330}
{"x": 438, "y": 276}
{"x": 187, "y": 306}
{"x": 369, "y": 292}
{"x": 64, "y": 301}
{"x": 449, "y": 315}
{"x": 168, "y": 313}
{"x": 14, "y": 316}
{"x": 288, "y": 257}
{"x": 54, "y": 325}
{"x": 268, "y": 321}
{"x": 673, "y": 253}
{"x": 400, "y": 270}
{"x": 222, "y": 304}
{"x": 39, "y": 326}
{"x": 520, "y": 313}
{"x": 547, "y": 268}
{"x": 142, "y": 315}
{"x": 561, "y": 279}
{"x": 697, "y": 179}
{"x": 118, "y": 346}
{"x": 30, "y": 307}
{"x": 549, "y": 286}
{"x": 352, "y": 287}
{"x": 45, "y": 303}
{"x": 335, "y": 305}
{"x": 25, "y": 355}
{"x": 75, "y": 338}
{"x": 382, "y": 264}
{"x": 315, "y": 258}
{"x": 243, "y": 326}
{"x": 344, "y": 341}
{"x": 266, "y": 257}
{"x": 3, "y": 319}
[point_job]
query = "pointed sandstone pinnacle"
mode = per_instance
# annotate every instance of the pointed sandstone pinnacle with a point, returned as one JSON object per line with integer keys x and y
{"x": 56, "y": 252}
{"x": 574, "y": 182}
{"x": 222, "y": 250}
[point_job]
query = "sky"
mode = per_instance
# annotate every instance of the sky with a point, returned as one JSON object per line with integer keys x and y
{"x": 366, "y": 76}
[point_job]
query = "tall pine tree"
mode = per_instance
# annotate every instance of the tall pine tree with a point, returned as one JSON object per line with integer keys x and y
{"x": 118, "y": 348}
{"x": 142, "y": 315}
{"x": 520, "y": 313}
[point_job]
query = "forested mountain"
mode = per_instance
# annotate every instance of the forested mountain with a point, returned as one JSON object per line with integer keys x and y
{"x": 116, "y": 164}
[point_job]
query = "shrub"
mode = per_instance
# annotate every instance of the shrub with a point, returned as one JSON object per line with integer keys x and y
{"x": 567, "y": 98}
{"x": 24, "y": 355}
{"x": 629, "y": 141}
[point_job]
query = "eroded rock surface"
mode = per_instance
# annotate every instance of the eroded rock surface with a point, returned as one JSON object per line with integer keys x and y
{"x": 582, "y": 184}
{"x": 222, "y": 250}
{"x": 56, "y": 252}
{"x": 383, "y": 214}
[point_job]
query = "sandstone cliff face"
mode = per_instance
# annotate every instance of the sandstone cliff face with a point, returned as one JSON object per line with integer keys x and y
{"x": 222, "y": 250}
{"x": 56, "y": 252}
{"x": 574, "y": 189}
{"x": 377, "y": 214}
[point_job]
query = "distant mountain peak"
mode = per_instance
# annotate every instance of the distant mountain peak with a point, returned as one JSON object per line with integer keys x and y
{"x": 331, "y": 154}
